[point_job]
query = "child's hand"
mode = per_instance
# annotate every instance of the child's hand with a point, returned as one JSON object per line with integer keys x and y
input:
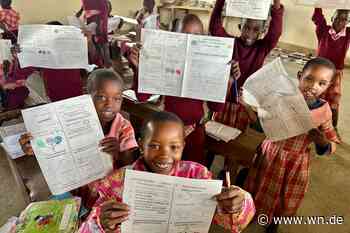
{"x": 113, "y": 214}
{"x": 134, "y": 55}
{"x": 235, "y": 70}
{"x": 318, "y": 137}
{"x": 230, "y": 200}
{"x": 24, "y": 141}
{"x": 110, "y": 145}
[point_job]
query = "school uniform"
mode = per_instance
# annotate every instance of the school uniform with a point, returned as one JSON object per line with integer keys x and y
{"x": 334, "y": 47}
{"x": 62, "y": 84}
{"x": 11, "y": 19}
{"x": 250, "y": 59}
{"x": 111, "y": 188}
{"x": 279, "y": 177}
{"x": 191, "y": 112}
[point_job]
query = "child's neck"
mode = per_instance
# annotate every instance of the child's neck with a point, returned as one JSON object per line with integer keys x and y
{"x": 106, "y": 127}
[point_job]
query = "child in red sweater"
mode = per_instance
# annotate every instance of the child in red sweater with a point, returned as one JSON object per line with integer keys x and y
{"x": 249, "y": 52}
{"x": 333, "y": 43}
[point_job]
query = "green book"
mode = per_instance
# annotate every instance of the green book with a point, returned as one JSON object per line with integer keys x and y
{"x": 50, "y": 217}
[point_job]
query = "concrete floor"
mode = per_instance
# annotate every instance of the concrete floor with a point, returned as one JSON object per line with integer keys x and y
{"x": 328, "y": 192}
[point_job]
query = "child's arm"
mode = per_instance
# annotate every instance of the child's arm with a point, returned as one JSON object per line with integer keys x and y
{"x": 79, "y": 13}
{"x": 215, "y": 25}
{"x": 276, "y": 26}
{"x": 235, "y": 209}
{"x": 320, "y": 22}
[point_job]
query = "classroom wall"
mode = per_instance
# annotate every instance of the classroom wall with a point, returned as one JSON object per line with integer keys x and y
{"x": 298, "y": 27}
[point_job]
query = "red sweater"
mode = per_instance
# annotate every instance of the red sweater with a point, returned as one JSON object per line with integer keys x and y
{"x": 334, "y": 50}
{"x": 250, "y": 58}
{"x": 190, "y": 111}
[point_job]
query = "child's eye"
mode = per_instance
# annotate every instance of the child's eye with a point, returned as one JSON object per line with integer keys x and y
{"x": 118, "y": 99}
{"x": 100, "y": 98}
{"x": 175, "y": 147}
{"x": 323, "y": 83}
{"x": 153, "y": 146}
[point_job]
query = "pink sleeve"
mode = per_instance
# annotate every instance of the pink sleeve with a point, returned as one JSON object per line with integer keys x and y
{"x": 234, "y": 222}
{"x": 127, "y": 139}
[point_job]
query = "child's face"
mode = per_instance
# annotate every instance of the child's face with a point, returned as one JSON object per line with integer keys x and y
{"x": 251, "y": 31}
{"x": 340, "y": 21}
{"x": 108, "y": 99}
{"x": 193, "y": 28}
{"x": 314, "y": 82}
{"x": 163, "y": 146}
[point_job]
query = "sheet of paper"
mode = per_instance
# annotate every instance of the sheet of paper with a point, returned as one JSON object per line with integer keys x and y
{"x": 10, "y": 136}
{"x": 252, "y": 9}
{"x": 5, "y": 50}
{"x": 221, "y": 132}
{"x": 282, "y": 109}
{"x": 52, "y": 46}
{"x": 162, "y": 62}
{"x": 66, "y": 137}
{"x": 168, "y": 204}
{"x": 332, "y": 4}
{"x": 208, "y": 72}
{"x": 113, "y": 23}
{"x": 127, "y": 20}
{"x": 75, "y": 21}
{"x": 191, "y": 66}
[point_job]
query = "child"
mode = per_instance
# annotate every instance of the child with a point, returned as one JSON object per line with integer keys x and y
{"x": 279, "y": 177}
{"x": 161, "y": 146}
{"x": 333, "y": 43}
{"x": 97, "y": 12}
{"x": 9, "y": 20}
{"x": 189, "y": 110}
{"x": 147, "y": 17}
{"x": 59, "y": 83}
{"x": 106, "y": 88}
{"x": 250, "y": 53}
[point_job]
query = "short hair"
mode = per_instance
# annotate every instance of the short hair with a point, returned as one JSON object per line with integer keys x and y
{"x": 97, "y": 77}
{"x": 54, "y": 23}
{"x": 340, "y": 11}
{"x": 189, "y": 19}
{"x": 6, "y": 3}
{"x": 159, "y": 117}
{"x": 319, "y": 61}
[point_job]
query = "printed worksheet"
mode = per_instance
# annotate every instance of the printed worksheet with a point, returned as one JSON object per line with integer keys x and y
{"x": 252, "y": 9}
{"x": 168, "y": 204}
{"x": 332, "y": 4}
{"x": 5, "y": 50}
{"x": 10, "y": 136}
{"x": 66, "y": 138}
{"x": 183, "y": 65}
{"x": 282, "y": 109}
{"x": 52, "y": 46}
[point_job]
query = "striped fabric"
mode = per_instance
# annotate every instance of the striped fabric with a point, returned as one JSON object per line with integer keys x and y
{"x": 279, "y": 177}
{"x": 10, "y": 18}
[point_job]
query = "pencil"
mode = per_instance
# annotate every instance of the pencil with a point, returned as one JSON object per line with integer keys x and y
{"x": 228, "y": 179}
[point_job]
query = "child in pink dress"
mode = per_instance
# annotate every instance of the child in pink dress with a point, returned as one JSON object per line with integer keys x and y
{"x": 161, "y": 146}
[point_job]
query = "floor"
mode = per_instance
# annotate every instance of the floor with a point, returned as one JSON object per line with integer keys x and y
{"x": 328, "y": 192}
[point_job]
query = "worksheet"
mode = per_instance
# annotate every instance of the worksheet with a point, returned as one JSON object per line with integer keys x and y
{"x": 52, "y": 46}
{"x": 10, "y": 136}
{"x": 282, "y": 109}
{"x": 252, "y": 9}
{"x": 5, "y": 50}
{"x": 66, "y": 135}
{"x": 168, "y": 204}
{"x": 184, "y": 65}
